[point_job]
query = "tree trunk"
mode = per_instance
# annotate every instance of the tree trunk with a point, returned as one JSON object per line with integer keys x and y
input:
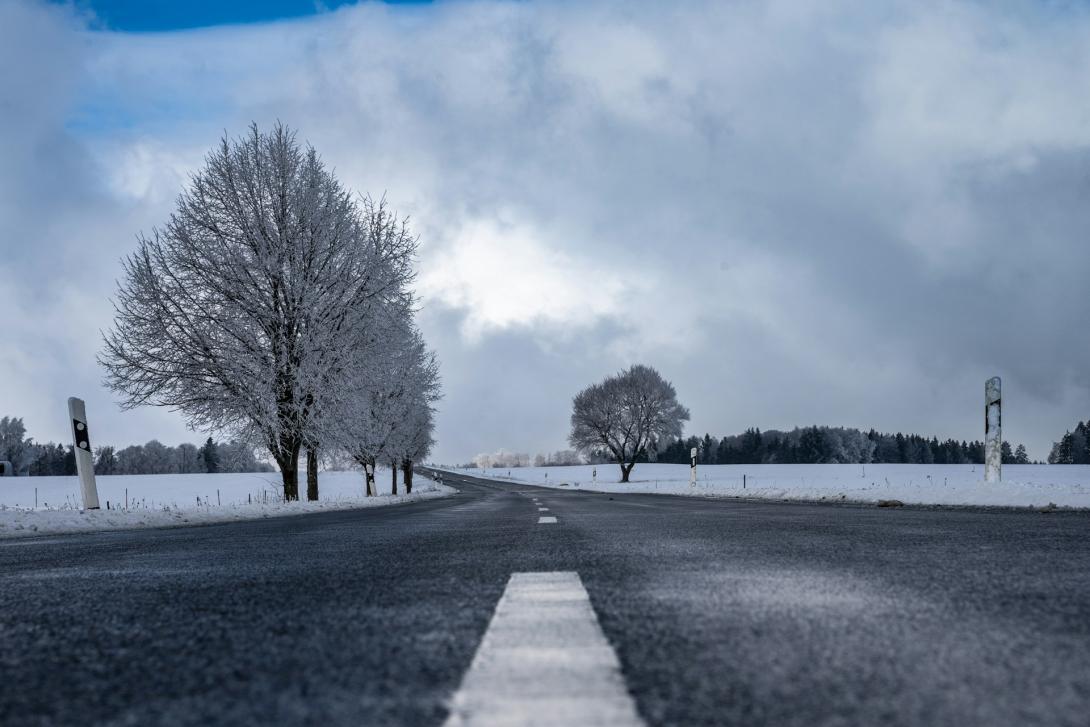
{"x": 625, "y": 470}
{"x": 289, "y": 472}
{"x": 312, "y": 474}
{"x": 393, "y": 472}
{"x": 287, "y": 459}
{"x": 407, "y": 475}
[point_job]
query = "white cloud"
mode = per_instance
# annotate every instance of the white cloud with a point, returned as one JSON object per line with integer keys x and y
{"x": 503, "y": 276}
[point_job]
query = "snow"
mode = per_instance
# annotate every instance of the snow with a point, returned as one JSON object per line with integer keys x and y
{"x": 171, "y": 500}
{"x": 1022, "y": 485}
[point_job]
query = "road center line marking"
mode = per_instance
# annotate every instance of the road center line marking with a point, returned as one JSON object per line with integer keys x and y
{"x": 543, "y": 509}
{"x": 545, "y": 519}
{"x": 544, "y": 661}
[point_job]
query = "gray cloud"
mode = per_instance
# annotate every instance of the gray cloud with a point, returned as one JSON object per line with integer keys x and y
{"x": 837, "y": 213}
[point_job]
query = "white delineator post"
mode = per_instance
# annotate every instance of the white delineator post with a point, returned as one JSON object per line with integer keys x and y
{"x": 993, "y": 430}
{"x": 85, "y": 463}
{"x": 369, "y": 478}
{"x": 692, "y": 467}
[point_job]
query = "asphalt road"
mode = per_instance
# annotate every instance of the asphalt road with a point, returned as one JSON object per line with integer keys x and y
{"x": 720, "y": 612}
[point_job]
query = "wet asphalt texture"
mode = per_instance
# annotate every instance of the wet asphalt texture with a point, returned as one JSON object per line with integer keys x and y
{"x": 721, "y": 612}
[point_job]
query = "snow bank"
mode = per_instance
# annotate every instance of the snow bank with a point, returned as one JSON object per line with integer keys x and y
{"x": 51, "y": 505}
{"x": 1022, "y": 486}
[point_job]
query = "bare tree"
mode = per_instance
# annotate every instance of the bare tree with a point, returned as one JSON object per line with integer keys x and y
{"x": 419, "y": 442}
{"x": 381, "y": 417}
{"x": 627, "y": 414}
{"x": 388, "y": 316}
{"x": 15, "y": 447}
{"x": 244, "y": 309}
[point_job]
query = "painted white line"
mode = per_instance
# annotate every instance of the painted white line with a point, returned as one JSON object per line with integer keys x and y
{"x": 546, "y": 519}
{"x": 543, "y": 509}
{"x": 544, "y": 661}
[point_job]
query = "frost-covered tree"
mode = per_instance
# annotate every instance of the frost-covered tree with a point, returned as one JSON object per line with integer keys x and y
{"x": 187, "y": 459}
{"x": 385, "y": 322}
{"x": 418, "y": 443}
{"x": 385, "y": 416}
{"x": 241, "y": 311}
{"x": 627, "y": 415}
{"x": 158, "y": 458}
{"x": 14, "y": 445}
{"x": 105, "y": 460}
{"x": 237, "y": 456}
{"x": 130, "y": 461}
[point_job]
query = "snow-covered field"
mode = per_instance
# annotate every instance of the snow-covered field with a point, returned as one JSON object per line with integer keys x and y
{"x": 1022, "y": 485}
{"x": 45, "y": 505}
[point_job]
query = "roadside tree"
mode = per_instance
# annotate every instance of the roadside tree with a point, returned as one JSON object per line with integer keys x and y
{"x": 243, "y": 309}
{"x": 627, "y": 415}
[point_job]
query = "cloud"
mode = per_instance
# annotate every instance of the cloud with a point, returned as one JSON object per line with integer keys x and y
{"x": 841, "y": 212}
{"x": 502, "y": 276}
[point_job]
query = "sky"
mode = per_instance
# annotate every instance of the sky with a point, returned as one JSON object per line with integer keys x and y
{"x": 840, "y": 212}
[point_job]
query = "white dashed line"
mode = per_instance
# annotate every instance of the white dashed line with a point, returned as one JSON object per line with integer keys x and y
{"x": 543, "y": 509}
{"x": 544, "y": 661}
{"x": 545, "y": 519}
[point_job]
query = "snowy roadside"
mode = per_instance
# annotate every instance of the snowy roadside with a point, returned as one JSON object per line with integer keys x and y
{"x": 1031, "y": 486}
{"x": 154, "y": 501}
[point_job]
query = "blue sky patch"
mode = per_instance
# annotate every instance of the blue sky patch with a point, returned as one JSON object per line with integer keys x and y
{"x": 167, "y": 15}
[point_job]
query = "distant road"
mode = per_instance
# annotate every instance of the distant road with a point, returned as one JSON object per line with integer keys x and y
{"x": 623, "y": 608}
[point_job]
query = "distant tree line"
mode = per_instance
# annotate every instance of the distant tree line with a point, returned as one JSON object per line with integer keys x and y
{"x": 511, "y": 460}
{"x": 1073, "y": 447}
{"x": 153, "y": 458}
{"x": 831, "y": 445}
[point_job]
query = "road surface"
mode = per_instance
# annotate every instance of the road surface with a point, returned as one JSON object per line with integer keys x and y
{"x": 653, "y": 609}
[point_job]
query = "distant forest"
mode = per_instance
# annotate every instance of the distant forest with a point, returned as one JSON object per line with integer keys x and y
{"x": 1073, "y": 447}
{"x": 832, "y": 445}
{"x": 153, "y": 458}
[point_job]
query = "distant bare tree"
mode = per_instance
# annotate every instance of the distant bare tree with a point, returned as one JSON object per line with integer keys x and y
{"x": 627, "y": 414}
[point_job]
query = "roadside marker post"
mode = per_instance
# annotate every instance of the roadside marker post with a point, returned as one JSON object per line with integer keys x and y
{"x": 993, "y": 430}
{"x": 692, "y": 467}
{"x": 85, "y": 463}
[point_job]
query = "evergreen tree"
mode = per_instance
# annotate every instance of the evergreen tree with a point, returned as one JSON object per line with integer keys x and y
{"x": 709, "y": 450}
{"x": 811, "y": 446}
{"x": 725, "y": 453}
{"x": 210, "y": 455}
